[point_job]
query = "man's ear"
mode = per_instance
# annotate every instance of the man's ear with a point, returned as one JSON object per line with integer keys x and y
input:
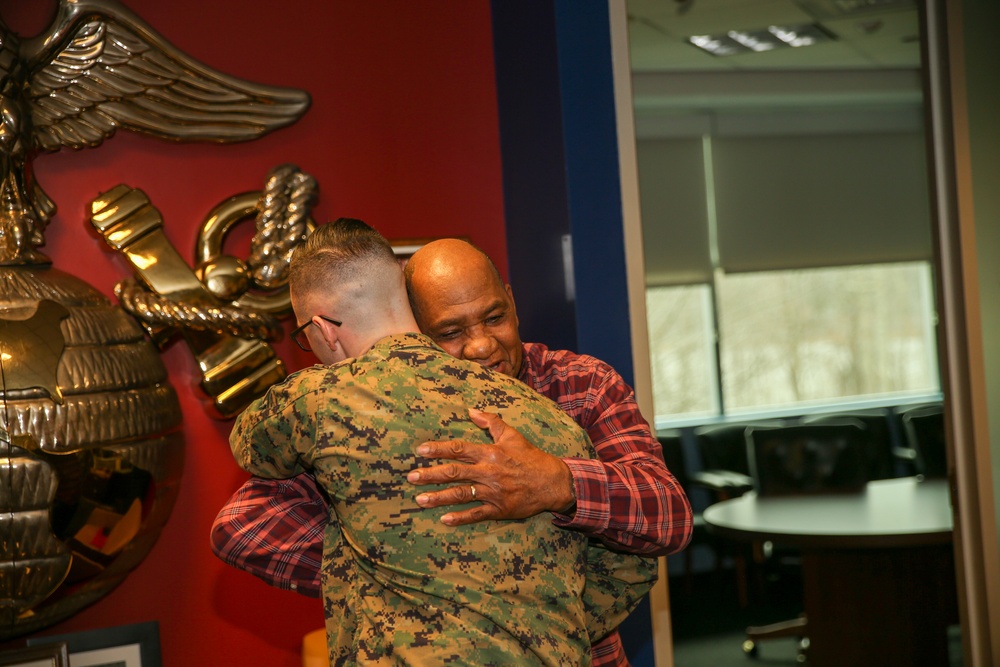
{"x": 330, "y": 332}
{"x": 513, "y": 307}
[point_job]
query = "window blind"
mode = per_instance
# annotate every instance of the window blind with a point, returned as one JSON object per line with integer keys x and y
{"x": 812, "y": 201}
{"x": 673, "y": 200}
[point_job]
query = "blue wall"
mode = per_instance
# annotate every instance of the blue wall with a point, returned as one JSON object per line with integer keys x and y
{"x": 559, "y": 145}
{"x": 534, "y": 168}
{"x": 590, "y": 137}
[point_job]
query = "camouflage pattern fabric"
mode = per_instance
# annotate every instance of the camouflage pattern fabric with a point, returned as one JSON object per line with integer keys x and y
{"x": 615, "y": 584}
{"x": 400, "y": 587}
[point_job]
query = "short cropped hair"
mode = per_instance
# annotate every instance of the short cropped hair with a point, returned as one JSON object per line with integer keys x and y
{"x": 335, "y": 251}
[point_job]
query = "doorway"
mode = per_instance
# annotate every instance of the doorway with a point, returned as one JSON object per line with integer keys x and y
{"x": 860, "y": 78}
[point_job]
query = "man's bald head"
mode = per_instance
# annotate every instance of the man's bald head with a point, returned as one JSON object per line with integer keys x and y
{"x": 446, "y": 261}
{"x": 459, "y": 299}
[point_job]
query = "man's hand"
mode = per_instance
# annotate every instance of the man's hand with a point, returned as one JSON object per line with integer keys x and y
{"x": 513, "y": 479}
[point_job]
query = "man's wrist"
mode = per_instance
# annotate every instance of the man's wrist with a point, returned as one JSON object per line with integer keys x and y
{"x": 568, "y": 497}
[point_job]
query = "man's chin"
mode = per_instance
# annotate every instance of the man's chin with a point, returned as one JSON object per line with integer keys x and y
{"x": 502, "y": 367}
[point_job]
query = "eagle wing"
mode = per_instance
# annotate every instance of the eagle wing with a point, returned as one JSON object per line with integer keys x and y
{"x": 100, "y": 67}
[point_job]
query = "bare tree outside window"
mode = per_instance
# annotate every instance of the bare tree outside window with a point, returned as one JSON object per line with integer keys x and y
{"x": 682, "y": 350}
{"x": 816, "y": 337}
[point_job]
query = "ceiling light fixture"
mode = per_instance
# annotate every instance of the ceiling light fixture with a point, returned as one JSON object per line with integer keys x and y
{"x": 765, "y": 39}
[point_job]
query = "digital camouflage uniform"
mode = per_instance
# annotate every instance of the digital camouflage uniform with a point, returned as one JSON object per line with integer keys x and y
{"x": 408, "y": 589}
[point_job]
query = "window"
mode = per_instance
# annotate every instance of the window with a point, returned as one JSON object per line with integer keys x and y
{"x": 682, "y": 351}
{"x": 793, "y": 340}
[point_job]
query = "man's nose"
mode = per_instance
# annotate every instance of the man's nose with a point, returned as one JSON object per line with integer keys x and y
{"x": 480, "y": 346}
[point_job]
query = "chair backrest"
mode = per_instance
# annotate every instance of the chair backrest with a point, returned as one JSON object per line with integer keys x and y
{"x": 672, "y": 444}
{"x": 723, "y": 446}
{"x": 808, "y": 458}
{"x": 880, "y": 462}
{"x": 924, "y": 429}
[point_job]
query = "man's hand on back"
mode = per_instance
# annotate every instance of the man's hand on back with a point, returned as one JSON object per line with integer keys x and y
{"x": 512, "y": 478}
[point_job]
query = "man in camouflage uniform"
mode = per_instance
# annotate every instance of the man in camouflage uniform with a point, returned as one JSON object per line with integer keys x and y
{"x": 409, "y": 589}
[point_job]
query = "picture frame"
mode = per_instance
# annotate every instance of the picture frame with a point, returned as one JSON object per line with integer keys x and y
{"x": 48, "y": 655}
{"x": 134, "y": 645}
{"x": 404, "y": 248}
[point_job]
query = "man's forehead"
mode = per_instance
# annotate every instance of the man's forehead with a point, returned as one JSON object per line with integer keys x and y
{"x": 458, "y": 312}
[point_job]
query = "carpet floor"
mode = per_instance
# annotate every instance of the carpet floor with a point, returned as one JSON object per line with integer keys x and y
{"x": 709, "y": 623}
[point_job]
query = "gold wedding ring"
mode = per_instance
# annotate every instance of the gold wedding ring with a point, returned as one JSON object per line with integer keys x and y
{"x": 472, "y": 488}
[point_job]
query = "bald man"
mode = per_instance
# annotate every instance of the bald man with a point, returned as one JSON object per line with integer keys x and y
{"x": 626, "y": 498}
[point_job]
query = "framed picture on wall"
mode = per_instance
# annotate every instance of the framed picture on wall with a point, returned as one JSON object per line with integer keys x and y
{"x": 404, "y": 248}
{"x": 136, "y": 645}
{"x": 49, "y": 655}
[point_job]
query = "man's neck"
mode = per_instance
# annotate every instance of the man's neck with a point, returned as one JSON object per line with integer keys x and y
{"x": 361, "y": 343}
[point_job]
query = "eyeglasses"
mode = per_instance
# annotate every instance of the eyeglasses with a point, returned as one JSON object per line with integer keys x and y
{"x": 299, "y": 333}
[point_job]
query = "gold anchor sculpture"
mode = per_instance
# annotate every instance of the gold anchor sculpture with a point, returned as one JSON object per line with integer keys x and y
{"x": 91, "y": 451}
{"x": 219, "y": 308}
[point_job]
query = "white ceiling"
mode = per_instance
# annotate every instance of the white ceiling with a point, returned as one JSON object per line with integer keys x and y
{"x": 883, "y": 36}
{"x": 873, "y": 60}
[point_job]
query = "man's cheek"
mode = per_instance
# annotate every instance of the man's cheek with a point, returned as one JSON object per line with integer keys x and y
{"x": 453, "y": 348}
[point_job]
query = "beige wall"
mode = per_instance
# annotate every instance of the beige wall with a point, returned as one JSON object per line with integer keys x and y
{"x": 982, "y": 94}
{"x": 982, "y": 53}
{"x": 964, "y": 108}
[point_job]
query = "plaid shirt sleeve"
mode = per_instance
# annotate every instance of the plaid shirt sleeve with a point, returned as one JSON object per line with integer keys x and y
{"x": 626, "y": 497}
{"x": 273, "y": 529}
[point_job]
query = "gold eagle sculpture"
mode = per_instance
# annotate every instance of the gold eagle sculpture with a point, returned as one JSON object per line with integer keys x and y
{"x": 97, "y": 68}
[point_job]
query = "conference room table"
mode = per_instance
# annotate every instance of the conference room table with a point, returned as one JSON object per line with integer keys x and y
{"x": 878, "y": 568}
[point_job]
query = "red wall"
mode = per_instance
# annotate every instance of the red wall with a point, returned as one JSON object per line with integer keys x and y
{"x": 402, "y": 132}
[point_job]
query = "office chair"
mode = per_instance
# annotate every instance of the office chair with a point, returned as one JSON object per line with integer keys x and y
{"x": 671, "y": 442}
{"x": 725, "y": 473}
{"x": 882, "y": 427}
{"x": 725, "y": 470}
{"x": 924, "y": 429}
{"x": 808, "y": 458}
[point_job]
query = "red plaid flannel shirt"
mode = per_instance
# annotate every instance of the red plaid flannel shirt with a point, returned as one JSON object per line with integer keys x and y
{"x": 627, "y": 498}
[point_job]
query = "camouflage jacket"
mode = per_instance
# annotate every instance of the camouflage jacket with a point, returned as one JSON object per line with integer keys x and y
{"x": 400, "y": 587}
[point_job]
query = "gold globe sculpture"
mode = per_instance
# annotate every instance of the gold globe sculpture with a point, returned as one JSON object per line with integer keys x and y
{"x": 90, "y": 448}
{"x": 92, "y": 452}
